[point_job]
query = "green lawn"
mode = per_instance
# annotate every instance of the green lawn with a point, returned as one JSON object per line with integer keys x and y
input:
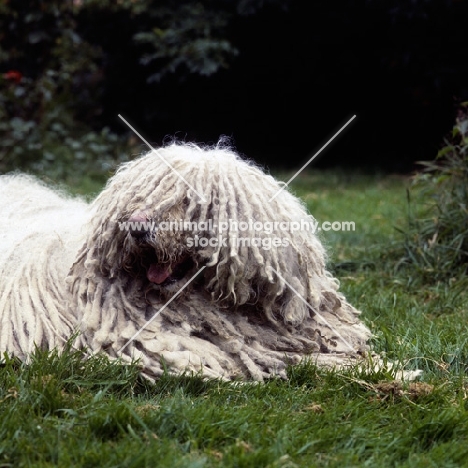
{"x": 61, "y": 410}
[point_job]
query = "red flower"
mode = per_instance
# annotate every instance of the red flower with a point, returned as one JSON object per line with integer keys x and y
{"x": 13, "y": 75}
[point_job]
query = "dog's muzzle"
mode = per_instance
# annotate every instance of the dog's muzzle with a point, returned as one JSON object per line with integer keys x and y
{"x": 161, "y": 273}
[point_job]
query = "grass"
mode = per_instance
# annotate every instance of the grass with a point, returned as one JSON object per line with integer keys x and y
{"x": 60, "y": 410}
{"x": 376, "y": 204}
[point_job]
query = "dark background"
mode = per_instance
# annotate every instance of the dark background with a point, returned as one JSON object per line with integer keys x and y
{"x": 299, "y": 72}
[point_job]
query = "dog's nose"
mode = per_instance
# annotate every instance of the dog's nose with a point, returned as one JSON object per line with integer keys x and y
{"x": 138, "y": 233}
{"x": 138, "y": 225}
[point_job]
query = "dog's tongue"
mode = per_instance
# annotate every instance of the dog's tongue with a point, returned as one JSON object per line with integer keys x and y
{"x": 159, "y": 272}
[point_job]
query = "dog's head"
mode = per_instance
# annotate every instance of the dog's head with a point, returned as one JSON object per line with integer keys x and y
{"x": 181, "y": 209}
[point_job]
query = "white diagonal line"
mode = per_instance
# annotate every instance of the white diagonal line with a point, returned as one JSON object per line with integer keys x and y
{"x": 307, "y": 304}
{"x": 160, "y": 157}
{"x": 313, "y": 157}
{"x": 161, "y": 309}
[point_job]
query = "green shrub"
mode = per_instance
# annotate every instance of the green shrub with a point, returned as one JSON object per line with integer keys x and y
{"x": 53, "y": 56}
{"x": 68, "y": 68}
{"x": 436, "y": 240}
{"x": 48, "y": 94}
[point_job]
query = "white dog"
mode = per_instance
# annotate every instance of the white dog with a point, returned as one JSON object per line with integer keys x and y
{"x": 118, "y": 271}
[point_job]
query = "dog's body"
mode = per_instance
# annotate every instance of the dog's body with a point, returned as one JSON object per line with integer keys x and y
{"x": 252, "y": 309}
{"x": 39, "y": 237}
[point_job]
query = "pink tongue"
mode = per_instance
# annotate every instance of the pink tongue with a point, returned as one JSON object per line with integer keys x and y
{"x": 158, "y": 273}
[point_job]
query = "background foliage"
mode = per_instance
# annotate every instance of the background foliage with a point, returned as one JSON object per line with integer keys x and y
{"x": 276, "y": 75}
{"x": 51, "y": 90}
{"x": 58, "y": 58}
{"x": 436, "y": 244}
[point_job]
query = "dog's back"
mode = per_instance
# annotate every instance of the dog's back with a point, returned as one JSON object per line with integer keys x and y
{"x": 40, "y": 234}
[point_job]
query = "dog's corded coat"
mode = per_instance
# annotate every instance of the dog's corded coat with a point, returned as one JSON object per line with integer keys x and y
{"x": 255, "y": 307}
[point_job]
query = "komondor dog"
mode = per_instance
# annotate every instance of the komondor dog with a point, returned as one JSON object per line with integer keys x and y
{"x": 189, "y": 259}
